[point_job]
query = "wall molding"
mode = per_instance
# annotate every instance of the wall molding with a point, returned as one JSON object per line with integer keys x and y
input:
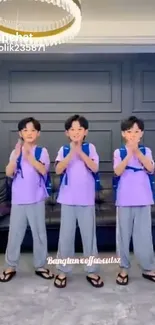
{"x": 117, "y": 32}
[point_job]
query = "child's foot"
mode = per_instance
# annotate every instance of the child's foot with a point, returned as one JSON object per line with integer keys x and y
{"x": 95, "y": 280}
{"x": 149, "y": 276}
{"x": 60, "y": 281}
{"x": 44, "y": 273}
{"x": 122, "y": 278}
{"x": 7, "y": 275}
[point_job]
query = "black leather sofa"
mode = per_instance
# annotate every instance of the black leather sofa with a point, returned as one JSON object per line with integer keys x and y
{"x": 105, "y": 218}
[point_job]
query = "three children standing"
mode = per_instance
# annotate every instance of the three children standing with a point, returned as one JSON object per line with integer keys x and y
{"x": 77, "y": 164}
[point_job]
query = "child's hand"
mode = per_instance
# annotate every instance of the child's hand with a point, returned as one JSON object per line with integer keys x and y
{"x": 77, "y": 148}
{"x": 18, "y": 149}
{"x": 27, "y": 153}
{"x": 130, "y": 152}
{"x": 72, "y": 149}
{"x": 133, "y": 146}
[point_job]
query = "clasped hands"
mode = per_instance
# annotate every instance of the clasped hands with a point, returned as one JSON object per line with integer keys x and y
{"x": 26, "y": 151}
{"x": 76, "y": 148}
{"x": 133, "y": 148}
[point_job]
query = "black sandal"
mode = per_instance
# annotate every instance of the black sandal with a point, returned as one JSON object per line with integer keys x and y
{"x": 61, "y": 280}
{"x": 149, "y": 277}
{"x": 91, "y": 280}
{"x": 8, "y": 276}
{"x": 42, "y": 273}
{"x": 125, "y": 279}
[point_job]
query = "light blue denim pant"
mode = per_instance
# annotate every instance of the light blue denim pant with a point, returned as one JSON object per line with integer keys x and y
{"x": 135, "y": 222}
{"x": 85, "y": 216}
{"x": 21, "y": 216}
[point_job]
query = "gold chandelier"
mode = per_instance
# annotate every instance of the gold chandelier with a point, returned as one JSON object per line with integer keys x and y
{"x": 31, "y": 32}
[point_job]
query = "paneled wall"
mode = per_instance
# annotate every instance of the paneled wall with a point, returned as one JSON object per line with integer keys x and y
{"x": 104, "y": 90}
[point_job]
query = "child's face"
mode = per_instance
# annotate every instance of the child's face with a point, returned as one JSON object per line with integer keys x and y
{"x": 29, "y": 134}
{"x": 76, "y": 133}
{"x": 133, "y": 135}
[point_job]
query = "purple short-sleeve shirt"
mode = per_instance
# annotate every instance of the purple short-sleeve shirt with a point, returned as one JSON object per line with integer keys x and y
{"x": 31, "y": 188}
{"x": 134, "y": 187}
{"x": 80, "y": 189}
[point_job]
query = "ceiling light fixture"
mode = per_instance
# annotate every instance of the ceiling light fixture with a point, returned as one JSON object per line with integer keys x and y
{"x": 42, "y": 33}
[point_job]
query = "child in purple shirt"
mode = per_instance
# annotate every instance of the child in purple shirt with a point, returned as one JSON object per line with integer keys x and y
{"x": 77, "y": 199}
{"x": 134, "y": 197}
{"x": 28, "y": 200}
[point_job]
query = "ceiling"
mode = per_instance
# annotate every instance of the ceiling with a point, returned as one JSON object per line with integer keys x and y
{"x": 118, "y": 21}
{"x": 102, "y": 20}
{"x": 92, "y": 10}
{"x": 98, "y": 10}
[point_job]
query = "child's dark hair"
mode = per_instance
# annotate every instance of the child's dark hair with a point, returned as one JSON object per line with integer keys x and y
{"x": 22, "y": 124}
{"x": 129, "y": 123}
{"x": 81, "y": 119}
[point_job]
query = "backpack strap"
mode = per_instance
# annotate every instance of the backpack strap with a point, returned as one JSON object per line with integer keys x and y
{"x": 98, "y": 187}
{"x": 152, "y": 184}
{"x": 150, "y": 176}
{"x": 38, "y": 152}
{"x": 47, "y": 178}
{"x": 143, "y": 150}
{"x": 19, "y": 169}
{"x": 85, "y": 148}
{"x": 116, "y": 179}
{"x": 66, "y": 150}
{"x": 19, "y": 161}
{"x": 123, "y": 152}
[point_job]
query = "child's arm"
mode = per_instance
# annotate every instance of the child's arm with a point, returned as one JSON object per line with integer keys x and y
{"x": 37, "y": 165}
{"x": 11, "y": 167}
{"x": 120, "y": 165}
{"x": 146, "y": 160}
{"x": 41, "y": 166}
{"x": 92, "y": 162}
{"x": 62, "y": 163}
